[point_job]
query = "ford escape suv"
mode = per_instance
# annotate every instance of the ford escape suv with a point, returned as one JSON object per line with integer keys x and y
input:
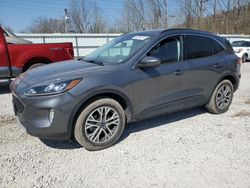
{"x": 133, "y": 77}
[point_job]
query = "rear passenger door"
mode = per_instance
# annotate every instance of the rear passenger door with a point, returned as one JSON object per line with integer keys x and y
{"x": 206, "y": 62}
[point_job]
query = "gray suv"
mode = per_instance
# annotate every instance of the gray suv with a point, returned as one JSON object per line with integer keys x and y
{"x": 131, "y": 78}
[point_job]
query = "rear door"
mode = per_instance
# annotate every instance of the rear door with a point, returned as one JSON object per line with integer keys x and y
{"x": 5, "y": 71}
{"x": 206, "y": 62}
{"x": 161, "y": 89}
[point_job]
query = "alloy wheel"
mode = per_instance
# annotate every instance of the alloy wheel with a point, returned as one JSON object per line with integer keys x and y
{"x": 223, "y": 97}
{"x": 102, "y": 124}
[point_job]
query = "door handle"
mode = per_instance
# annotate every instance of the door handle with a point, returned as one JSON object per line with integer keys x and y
{"x": 217, "y": 65}
{"x": 178, "y": 72}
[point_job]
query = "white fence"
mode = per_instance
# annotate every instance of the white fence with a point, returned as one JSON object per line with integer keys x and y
{"x": 83, "y": 43}
{"x": 86, "y": 43}
{"x": 232, "y": 38}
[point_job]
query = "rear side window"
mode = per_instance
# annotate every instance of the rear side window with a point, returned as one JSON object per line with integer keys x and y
{"x": 217, "y": 48}
{"x": 199, "y": 46}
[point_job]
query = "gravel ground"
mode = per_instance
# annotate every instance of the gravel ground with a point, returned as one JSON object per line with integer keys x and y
{"x": 186, "y": 149}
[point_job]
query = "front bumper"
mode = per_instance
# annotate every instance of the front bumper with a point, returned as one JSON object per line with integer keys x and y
{"x": 34, "y": 115}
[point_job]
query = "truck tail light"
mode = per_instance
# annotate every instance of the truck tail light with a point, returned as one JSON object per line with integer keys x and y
{"x": 239, "y": 61}
{"x": 70, "y": 51}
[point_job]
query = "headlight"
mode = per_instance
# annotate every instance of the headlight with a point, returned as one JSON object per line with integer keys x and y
{"x": 238, "y": 50}
{"x": 53, "y": 88}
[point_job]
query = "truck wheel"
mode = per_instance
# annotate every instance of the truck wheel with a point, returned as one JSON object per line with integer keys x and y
{"x": 222, "y": 98}
{"x": 35, "y": 65}
{"x": 244, "y": 58}
{"x": 100, "y": 124}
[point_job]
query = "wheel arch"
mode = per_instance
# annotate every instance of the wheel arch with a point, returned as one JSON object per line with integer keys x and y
{"x": 121, "y": 98}
{"x": 35, "y": 60}
{"x": 232, "y": 79}
{"x": 226, "y": 76}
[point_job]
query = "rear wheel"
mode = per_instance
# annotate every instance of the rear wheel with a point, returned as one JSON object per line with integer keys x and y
{"x": 221, "y": 98}
{"x": 244, "y": 58}
{"x": 100, "y": 124}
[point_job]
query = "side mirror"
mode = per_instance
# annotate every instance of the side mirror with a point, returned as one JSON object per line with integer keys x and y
{"x": 149, "y": 61}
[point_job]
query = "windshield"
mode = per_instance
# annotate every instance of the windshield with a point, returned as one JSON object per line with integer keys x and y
{"x": 119, "y": 49}
{"x": 239, "y": 44}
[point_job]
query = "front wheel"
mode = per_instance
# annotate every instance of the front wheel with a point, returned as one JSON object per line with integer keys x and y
{"x": 222, "y": 98}
{"x": 100, "y": 124}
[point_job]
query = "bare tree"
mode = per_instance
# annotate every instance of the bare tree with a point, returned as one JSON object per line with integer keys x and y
{"x": 158, "y": 13}
{"x": 46, "y": 25}
{"x": 132, "y": 17}
{"x": 231, "y": 10}
{"x": 8, "y": 28}
{"x": 219, "y": 16}
{"x": 97, "y": 22}
{"x": 79, "y": 17}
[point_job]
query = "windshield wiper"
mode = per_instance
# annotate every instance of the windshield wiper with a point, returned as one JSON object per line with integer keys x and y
{"x": 94, "y": 61}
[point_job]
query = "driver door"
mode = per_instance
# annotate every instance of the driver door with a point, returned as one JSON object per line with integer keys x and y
{"x": 161, "y": 89}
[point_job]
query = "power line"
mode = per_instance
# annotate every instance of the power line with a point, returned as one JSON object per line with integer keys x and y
{"x": 54, "y": 5}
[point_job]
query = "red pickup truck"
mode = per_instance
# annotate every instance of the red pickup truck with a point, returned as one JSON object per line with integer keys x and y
{"x": 17, "y": 58}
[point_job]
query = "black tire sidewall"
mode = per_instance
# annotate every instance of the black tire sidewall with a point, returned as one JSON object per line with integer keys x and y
{"x": 35, "y": 65}
{"x": 244, "y": 58}
{"x": 79, "y": 131}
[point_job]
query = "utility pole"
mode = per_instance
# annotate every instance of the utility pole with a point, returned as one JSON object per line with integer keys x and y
{"x": 201, "y": 8}
{"x": 200, "y": 13}
{"x": 66, "y": 20}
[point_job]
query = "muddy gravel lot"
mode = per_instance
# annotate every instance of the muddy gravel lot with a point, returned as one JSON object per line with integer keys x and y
{"x": 187, "y": 149}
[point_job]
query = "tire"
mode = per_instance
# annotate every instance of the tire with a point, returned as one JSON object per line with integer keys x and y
{"x": 93, "y": 131}
{"x": 244, "y": 58}
{"x": 220, "y": 107}
{"x": 35, "y": 65}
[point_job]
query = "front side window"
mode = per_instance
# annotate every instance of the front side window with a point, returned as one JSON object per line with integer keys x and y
{"x": 168, "y": 50}
{"x": 119, "y": 49}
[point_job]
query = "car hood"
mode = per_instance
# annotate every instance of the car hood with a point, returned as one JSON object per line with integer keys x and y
{"x": 63, "y": 70}
{"x": 238, "y": 47}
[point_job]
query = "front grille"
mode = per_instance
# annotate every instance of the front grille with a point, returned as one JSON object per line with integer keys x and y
{"x": 18, "y": 105}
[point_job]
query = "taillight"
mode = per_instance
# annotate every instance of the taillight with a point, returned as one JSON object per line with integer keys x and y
{"x": 239, "y": 61}
{"x": 238, "y": 50}
{"x": 70, "y": 51}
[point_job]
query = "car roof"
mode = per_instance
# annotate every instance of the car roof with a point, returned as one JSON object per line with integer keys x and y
{"x": 147, "y": 32}
{"x": 185, "y": 30}
{"x": 173, "y": 31}
{"x": 180, "y": 31}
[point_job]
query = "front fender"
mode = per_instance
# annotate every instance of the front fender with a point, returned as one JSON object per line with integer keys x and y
{"x": 83, "y": 101}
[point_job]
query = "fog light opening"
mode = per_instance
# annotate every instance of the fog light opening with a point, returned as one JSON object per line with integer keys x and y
{"x": 51, "y": 115}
